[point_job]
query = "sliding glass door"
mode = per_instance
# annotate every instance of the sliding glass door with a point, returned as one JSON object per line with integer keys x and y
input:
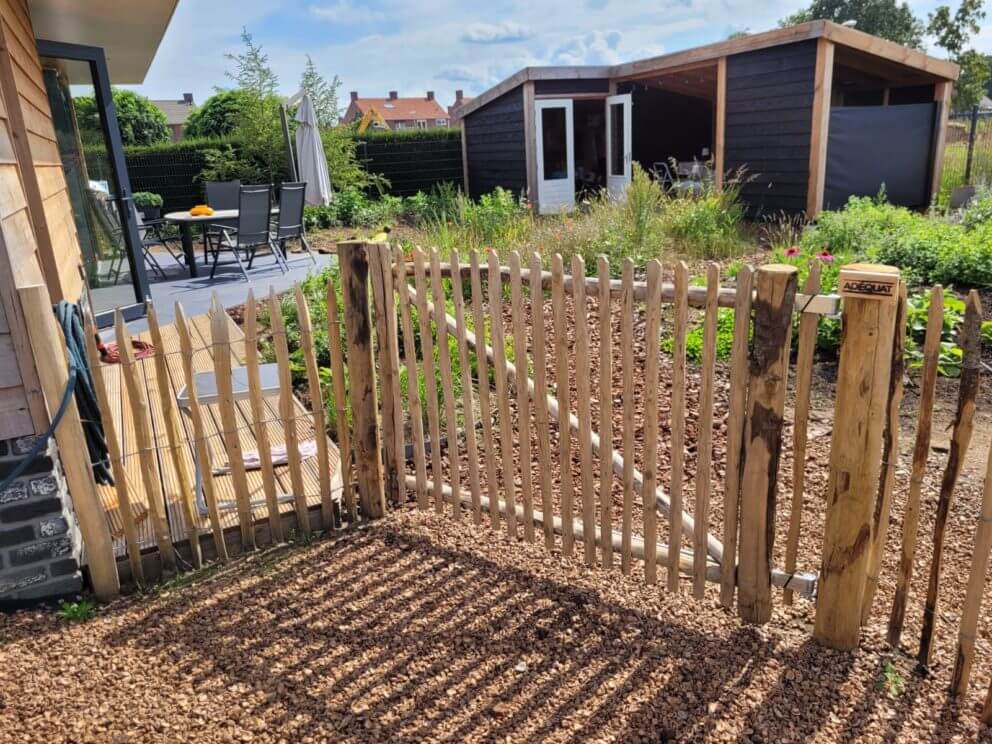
{"x": 99, "y": 189}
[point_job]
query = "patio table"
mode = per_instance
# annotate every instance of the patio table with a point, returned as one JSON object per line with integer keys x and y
{"x": 185, "y": 220}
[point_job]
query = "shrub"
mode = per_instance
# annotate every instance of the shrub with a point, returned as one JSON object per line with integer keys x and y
{"x": 141, "y": 122}
{"x": 704, "y": 224}
{"x": 217, "y": 116}
{"x": 979, "y": 210}
{"x": 146, "y": 199}
{"x": 694, "y": 338}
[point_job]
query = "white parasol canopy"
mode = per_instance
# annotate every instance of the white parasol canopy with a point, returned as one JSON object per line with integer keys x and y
{"x": 310, "y": 155}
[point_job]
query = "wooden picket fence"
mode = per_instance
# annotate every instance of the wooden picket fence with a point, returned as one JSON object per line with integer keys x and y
{"x": 488, "y": 392}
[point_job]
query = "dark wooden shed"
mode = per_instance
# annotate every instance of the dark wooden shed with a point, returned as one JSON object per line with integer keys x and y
{"x": 810, "y": 114}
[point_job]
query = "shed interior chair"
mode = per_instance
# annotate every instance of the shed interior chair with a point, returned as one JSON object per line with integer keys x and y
{"x": 250, "y": 234}
{"x": 220, "y": 195}
{"x": 289, "y": 223}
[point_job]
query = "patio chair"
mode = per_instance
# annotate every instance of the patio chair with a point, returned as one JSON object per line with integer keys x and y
{"x": 250, "y": 234}
{"x": 151, "y": 236}
{"x": 289, "y": 223}
{"x": 220, "y": 195}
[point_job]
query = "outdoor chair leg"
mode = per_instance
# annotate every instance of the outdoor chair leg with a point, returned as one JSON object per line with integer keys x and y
{"x": 153, "y": 263}
{"x": 277, "y": 251}
{"x": 306, "y": 247}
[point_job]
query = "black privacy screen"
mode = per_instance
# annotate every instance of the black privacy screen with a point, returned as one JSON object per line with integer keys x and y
{"x": 873, "y": 145}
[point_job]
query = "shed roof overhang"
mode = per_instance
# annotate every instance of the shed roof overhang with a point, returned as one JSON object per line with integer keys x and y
{"x": 129, "y": 33}
{"x": 913, "y": 60}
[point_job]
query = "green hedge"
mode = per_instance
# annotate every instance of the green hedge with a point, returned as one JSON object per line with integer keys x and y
{"x": 411, "y": 159}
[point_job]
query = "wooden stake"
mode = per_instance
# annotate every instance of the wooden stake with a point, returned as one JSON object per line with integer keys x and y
{"x": 921, "y": 451}
{"x": 317, "y": 403}
{"x": 679, "y": 329}
{"x": 562, "y": 392}
{"x": 890, "y": 456}
{"x": 541, "y": 401}
{"x": 175, "y": 439}
{"x": 502, "y": 394}
{"x": 705, "y": 435}
{"x": 485, "y": 409}
{"x": 870, "y": 299}
{"x": 413, "y": 389}
{"x": 358, "y": 329}
{"x": 259, "y": 416}
{"x": 141, "y": 417}
{"x": 447, "y": 384}
{"x": 976, "y": 586}
{"x": 334, "y": 335}
{"x": 739, "y": 375}
{"x": 769, "y": 365}
{"x": 582, "y": 395}
{"x": 199, "y": 433}
{"x": 970, "y": 341}
{"x": 391, "y": 414}
{"x": 605, "y": 410}
{"x": 121, "y": 485}
{"x": 468, "y": 402}
{"x": 650, "y": 455}
{"x": 519, "y": 322}
{"x": 808, "y": 323}
{"x": 430, "y": 379}
{"x": 220, "y": 336}
{"x": 627, "y": 356}
{"x": 287, "y": 412}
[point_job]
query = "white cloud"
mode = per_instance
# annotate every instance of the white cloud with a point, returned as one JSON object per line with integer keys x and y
{"x": 346, "y": 13}
{"x": 495, "y": 33}
{"x": 458, "y": 74}
{"x": 594, "y": 48}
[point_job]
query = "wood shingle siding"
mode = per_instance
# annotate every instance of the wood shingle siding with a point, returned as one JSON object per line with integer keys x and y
{"x": 494, "y": 136}
{"x": 769, "y": 118}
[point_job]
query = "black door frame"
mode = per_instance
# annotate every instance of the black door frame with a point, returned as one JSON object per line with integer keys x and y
{"x": 97, "y": 61}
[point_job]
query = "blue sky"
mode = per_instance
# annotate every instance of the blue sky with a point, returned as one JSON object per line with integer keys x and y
{"x": 441, "y": 45}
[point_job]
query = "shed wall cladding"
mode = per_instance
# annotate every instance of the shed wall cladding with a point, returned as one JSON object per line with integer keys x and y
{"x": 572, "y": 85}
{"x": 769, "y": 120}
{"x": 494, "y": 143}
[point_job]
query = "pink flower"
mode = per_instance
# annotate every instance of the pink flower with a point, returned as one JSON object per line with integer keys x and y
{"x": 826, "y": 256}
{"x": 792, "y": 251}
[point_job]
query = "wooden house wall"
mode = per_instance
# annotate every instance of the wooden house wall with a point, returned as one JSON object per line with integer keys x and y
{"x": 769, "y": 123}
{"x": 495, "y": 145}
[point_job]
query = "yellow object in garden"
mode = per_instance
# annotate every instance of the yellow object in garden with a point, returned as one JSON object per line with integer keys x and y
{"x": 201, "y": 210}
{"x": 380, "y": 237}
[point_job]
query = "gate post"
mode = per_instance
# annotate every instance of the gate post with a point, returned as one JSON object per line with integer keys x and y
{"x": 870, "y": 292}
{"x": 769, "y": 367}
{"x": 354, "y": 262}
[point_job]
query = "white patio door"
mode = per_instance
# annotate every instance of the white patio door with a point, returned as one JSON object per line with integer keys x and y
{"x": 555, "y": 156}
{"x": 618, "y": 144}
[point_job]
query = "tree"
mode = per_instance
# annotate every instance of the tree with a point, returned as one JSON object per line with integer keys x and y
{"x": 886, "y": 18}
{"x": 218, "y": 115}
{"x": 974, "y": 80}
{"x": 952, "y": 32}
{"x": 141, "y": 122}
{"x": 323, "y": 94}
{"x": 251, "y": 69}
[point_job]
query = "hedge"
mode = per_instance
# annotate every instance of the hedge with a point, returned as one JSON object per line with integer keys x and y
{"x": 411, "y": 159}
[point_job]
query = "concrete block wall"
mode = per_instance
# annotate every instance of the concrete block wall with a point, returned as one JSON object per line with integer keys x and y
{"x": 40, "y": 544}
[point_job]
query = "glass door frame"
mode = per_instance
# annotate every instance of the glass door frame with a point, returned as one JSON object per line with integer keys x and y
{"x": 97, "y": 61}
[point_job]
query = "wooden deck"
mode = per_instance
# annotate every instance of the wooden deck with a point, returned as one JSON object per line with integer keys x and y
{"x": 162, "y": 462}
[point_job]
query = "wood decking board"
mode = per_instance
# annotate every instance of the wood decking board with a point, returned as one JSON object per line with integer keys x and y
{"x": 133, "y": 461}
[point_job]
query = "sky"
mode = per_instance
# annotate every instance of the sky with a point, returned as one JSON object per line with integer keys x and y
{"x": 375, "y": 46}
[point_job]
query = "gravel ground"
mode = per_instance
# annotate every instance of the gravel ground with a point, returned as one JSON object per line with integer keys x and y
{"x": 417, "y": 629}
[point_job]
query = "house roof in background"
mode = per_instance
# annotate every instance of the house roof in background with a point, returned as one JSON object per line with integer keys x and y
{"x": 175, "y": 111}
{"x": 401, "y": 109}
{"x": 936, "y": 69}
{"x": 129, "y": 33}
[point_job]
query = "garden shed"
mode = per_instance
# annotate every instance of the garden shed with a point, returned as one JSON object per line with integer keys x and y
{"x": 810, "y": 115}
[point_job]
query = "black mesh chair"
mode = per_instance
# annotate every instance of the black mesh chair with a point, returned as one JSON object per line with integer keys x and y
{"x": 289, "y": 224}
{"x": 220, "y": 195}
{"x": 251, "y": 233}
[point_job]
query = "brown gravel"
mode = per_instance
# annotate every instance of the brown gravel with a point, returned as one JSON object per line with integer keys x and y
{"x": 417, "y": 629}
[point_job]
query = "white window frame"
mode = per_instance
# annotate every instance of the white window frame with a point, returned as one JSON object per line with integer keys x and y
{"x": 421, "y": 123}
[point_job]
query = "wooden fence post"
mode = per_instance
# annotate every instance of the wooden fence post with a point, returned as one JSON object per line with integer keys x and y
{"x": 870, "y": 295}
{"x": 775, "y": 286}
{"x": 353, "y": 258}
{"x": 381, "y": 274}
{"x": 50, "y": 357}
